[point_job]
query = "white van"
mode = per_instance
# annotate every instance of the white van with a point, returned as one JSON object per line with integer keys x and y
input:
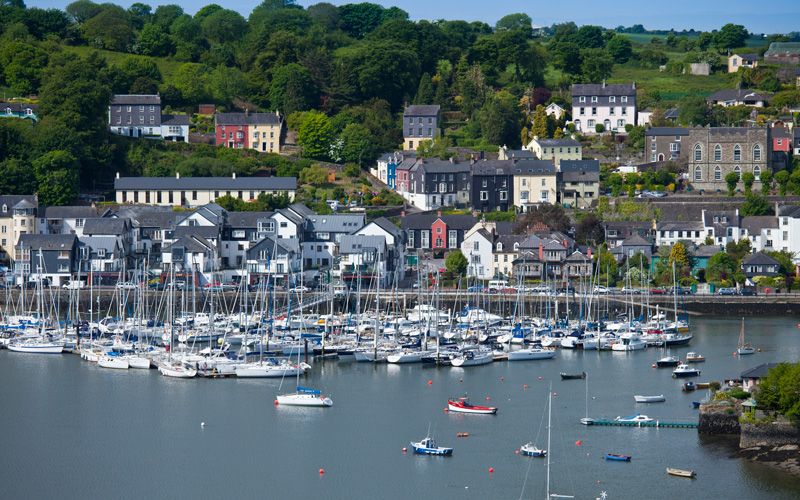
{"x": 498, "y": 285}
{"x": 74, "y": 285}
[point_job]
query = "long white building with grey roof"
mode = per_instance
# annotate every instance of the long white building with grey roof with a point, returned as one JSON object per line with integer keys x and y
{"x": 196, "y": 191}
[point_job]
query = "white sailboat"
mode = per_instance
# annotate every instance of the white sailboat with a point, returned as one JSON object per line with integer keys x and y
{"x": 743, "y": 348}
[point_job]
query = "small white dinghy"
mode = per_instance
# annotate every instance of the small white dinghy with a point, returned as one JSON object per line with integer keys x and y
{"x": 650, "y": 399}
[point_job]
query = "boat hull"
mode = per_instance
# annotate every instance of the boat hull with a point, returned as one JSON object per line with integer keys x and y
{"x": 314, "y": 400}
{"x": 530, "y": 354}
{"x": 680, "y": 472}
{"x": 650, "y": 399}
{"x": 421, "y": 450}
{"x": 617, "y": 458}
{"x": 529, "y": 450}
{"x": 37, "y": 349}
{"x": 113, "y": 363}
{"x": 474, "y": 409}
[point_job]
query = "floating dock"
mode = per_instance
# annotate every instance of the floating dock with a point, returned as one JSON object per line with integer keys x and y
{"x": 654, "y": 423}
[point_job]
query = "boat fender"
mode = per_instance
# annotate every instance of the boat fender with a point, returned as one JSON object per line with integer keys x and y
{"x": 321, "y": 472}
{"x": 404, "y": 450}
{"x": 491, "y": 470}
{"x": 488, "y": 398}
{"x": 430, "y": 382}
{"x": 524, "y": 386}
{"x": 579, "y": 443}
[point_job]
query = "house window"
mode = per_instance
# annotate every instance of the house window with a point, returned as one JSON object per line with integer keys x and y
{"x": 756, "y": 153}
{"x": 425, "y": 238}
{"x": 717, "y": 173}
{"x": 757, "y": 172}
{"x": 239, "y": 234}
{"x": 612, "y": 99}
{"x": 503, "y": 195}
{"x": 698, "y": 152}
{"x": 673, "y": 147}
{"x": 737, "y": 171}
{"x": 543, "y": 196}
{"x": 484, "y": 195}
{"x": 594, "y": 111}
{"x": 410, "y": 239}
{"x": 717, "y": 153}
{"x": 624, "y": 98}
{"x": 452, "y": 239}
{"x": 583, "y": 111}
{"x": 476, "y": 246}
{"x": 594, "y": 98}
{"x": 698, "y": 174}
{"x": 737, "y": 153}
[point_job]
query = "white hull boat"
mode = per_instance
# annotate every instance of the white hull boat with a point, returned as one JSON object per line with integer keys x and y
{"x": 304, "y": 397}
{"x": 406, "y": 357}
{"x": 530, "y": 354}
{"x": 138, "y": 362}
{"x": 177, "y": 371}
{"x": 37, "y": 347}
{"x": 649, "y": 399}
{"x": 262, "y": 370}
{"x": 114, "y": 362}
{"x": 473, "y": 358}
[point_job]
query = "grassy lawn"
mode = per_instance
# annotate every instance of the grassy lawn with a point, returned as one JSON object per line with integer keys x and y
{"x": 166, "y": 66}
{"x": 671, "y": 87}
{"x": 644, "y": 38}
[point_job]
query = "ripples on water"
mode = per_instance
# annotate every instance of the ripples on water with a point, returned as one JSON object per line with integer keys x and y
{"x": 71, "y": 430}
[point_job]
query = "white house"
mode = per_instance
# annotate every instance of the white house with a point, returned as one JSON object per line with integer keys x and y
{"x": 613, "y": 106}
{"x": 477, "y": 247}
{"x": 789, "y": 231}
{"x": 554, "y": 110}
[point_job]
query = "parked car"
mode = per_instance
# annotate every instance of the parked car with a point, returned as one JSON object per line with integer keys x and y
{"x": 475, "y": 289}
{"x": 657, "y": 291}
{"x": 301, "y": 288}
{"x": 508, "y": 290}
{"x": 126, "y": 285}
{"x": 726, "y": 291}
{"x": 632, "y": 291}
{"x": 749, "y": 291}
{"x": 74, "y": 285}
{"x": 600, "y": 290}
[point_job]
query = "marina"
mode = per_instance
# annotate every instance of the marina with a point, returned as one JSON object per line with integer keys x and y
{"x": 82, "y": 408}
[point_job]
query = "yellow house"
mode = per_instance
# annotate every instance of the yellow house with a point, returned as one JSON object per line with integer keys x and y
{"x": 556, "y": 149}
{"x": 265, "y": 132}
{"x": 535, "y": 183}
{"x": 736, "y": 61}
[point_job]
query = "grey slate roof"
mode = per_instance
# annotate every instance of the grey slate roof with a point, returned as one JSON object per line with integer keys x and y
{"x": 47, "y": 241}
{"x": 755, "y": 223}
{"x": 534, "y": 167}
{"x": 109, "y": 226}
{"x": 206, "y": 183}
{"x": 635, "y": 241}
{"x": 689, "y": 225}
{"x": 437, "y": 166}
{"x": 422, "y": 110}
{"x": 136, "y": 100}
{"x": 666, "y": 131}
{"x": 744, "y": 95}
{"x": 388, "y": 226}
{"x": 192, "y": 244}
{"x": 73, "y": 212}
{"x": 203, "y": 232}
{"x": 336, "y": 223}
{"x": 564, "y": 142}
{"x": 358, "y": 243}
{"x": 424, "y": 221}
{"x": 247, "y": 119}
{"x": 150, "y": 216}
{"x": 706, "y": 250}
{"x": 17, "y": 107}
{"x": 107, "y": 244}
{"x": 301, "y": 209}
{"x": 580, "y": 170}
{"x": 492, "y": 167}
{"x": 520, "y": 154}
{"x": 599, "y": 89}
{"x": 760, "y": 259}
{"x": 273, "y": 246}
{"x": 11, "y": 201}
{"x": 749, "y": 57}
{"x": 759, "y": 371}
{"x": 175, "y": 120}
{"x": 238, "y": 220}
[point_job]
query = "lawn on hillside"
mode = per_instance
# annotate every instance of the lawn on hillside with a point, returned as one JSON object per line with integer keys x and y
{"x": 166, "y": 66}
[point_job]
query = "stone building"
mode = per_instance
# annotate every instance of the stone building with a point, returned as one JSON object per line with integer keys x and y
{"x": 713, "y": 152}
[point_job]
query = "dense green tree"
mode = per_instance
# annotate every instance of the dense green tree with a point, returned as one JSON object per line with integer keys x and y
{"x": 140, "y": 14}
{"x": 154, "y": 41}
{"x": 589, "y": 37}
{"x": 314, "y": 175}
{"x": 730, "y": 36}
{"x": 567, "y": 57}
{"x": 748, "y": 178}
{"x": 224, "y": 26}
{"x": 226, "y": 84}
{"x": 693, "y": 110}
{"x": 357, "y": 145}
{"x": 292, "y": 89}
{"x": 755, "y": 204}
{"x": 620, "y": 48}
{"x": 190, "y": 80}
{"x": 456, "y": 263}
{"x": 16, "y": 178}
{"x": 81, "y": 11}
{"x": 519, "y": 21}
{"x": 731, "y": 180}
{"x": 359, "y": 19}
{"x": 425, "y": 90}
{"x": 315, "y": 135}
{"x": 110, "y": 29}
{"x": 766, "y": 182}
{"x": 43, "y": 22}
{"x": 374, "y": 61}
{"x": 501, "y": 120}
{"x": 165, "y": 15}
{"x": 325, "y": 14}
{"x": 590, "y": 230}
{"x": 552, "y": 216}
{"x": 597, "y": 65}
{"x": 721, "y": 267}
{"x": 21, "y": 66}
{"x": 57, "y": 176}
{"x": 738, "y": 250}
{"x": 782, "y": 178}
{"x": 472, "y": 89}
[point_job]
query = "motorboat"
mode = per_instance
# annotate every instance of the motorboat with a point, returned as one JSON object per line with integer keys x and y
{"x": 531, "y": 353}
{"x": 668, "y": 362}
{"x": 427, "y": 446}
{"x": 684, "y": 370}
{"x": 629, "y": 341}
{"x": 177, "y": 370}
{"x": 304, "y": 396}
{"x": 688, "y": 387}
{"x": 573, "y": 376}
{"x": 693, "y": 357}
{"x": 649, "y": 399}
{"x": 472, "y": 357}
{"x": 587, "y": 421}
{"x": 462, "y": 405}
{"x": 270, "y": 369}
{"x": 405, "y": 356}
{"x": 531, "y": 450}
{"x": 680, "y": 472}
{"x": 636, "y": 419}
{"x": 617, "y": 458}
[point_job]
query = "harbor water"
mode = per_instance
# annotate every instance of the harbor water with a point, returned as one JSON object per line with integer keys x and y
{"x": 73, "y": 430}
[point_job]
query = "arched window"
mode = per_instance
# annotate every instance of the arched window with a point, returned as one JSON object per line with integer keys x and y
{"x": 757, "y": 152}
{"x": 577, "y": 125}
{"x": 516, "y": 246}
{"x": 661, "y": 157}
{"x": 5, "y": 208}
{"x": 737, "y": 153}
{"x": 717, "y": 153}
{"x": 717, "y": 173}
{"x": 757, "y": 172}
{"x": 698, "y": 173}
{"x": 737, "y": 171}
{"x": 698, "y": 152}
{"x": 499, "y": 247}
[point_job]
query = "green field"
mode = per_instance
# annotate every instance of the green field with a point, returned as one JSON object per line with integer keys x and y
{"x": 644, "y": 38}
{"x": 166, "y": 66}
{"x": 671, "y": 87}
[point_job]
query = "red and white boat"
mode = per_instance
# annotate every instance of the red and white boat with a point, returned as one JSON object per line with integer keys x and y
{"x": 462, "y": 405}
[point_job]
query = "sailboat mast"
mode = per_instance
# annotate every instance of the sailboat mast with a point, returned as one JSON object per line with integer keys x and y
{"x": 549, "y": 421}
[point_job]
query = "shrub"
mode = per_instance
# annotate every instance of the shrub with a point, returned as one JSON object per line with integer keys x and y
{"x": 738, "y": 393}
{"x": 599, "y": 128}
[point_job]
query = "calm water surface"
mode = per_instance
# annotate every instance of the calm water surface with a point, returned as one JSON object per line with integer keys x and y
{"x": 73, "y": 430}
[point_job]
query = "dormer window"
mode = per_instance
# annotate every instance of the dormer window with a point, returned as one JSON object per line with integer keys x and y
{"x": 612, "y": 99}
{"x": 624, "y": 98}
{"x": 582, "y": 98}
{"x": 5, "y": 208}
{"x": 594, "y": 98}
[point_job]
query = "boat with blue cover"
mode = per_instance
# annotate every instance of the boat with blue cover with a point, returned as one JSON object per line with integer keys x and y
{"x": 617, "y": 458}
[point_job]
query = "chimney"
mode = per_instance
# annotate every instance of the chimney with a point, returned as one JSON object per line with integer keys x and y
{"x": 482, "y": 156}
{"x": 452, "y": 160}
{"x": 402, "y": 213}
{"x": 589, "y": 252}
{"x": 177, "y": 175}
{"x": 535, "y": 137}
{"x": 246, "y": 111}
{"x": 604, "y": 83}
{"x": 233, "y": 175}
{"x": 117, "y": 175}
{"x": 634, "y": 85}
{"x": 438, "y": 213}
{"x": 541, "y": 251}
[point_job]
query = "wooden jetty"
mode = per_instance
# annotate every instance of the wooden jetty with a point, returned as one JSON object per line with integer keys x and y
{"x": 654, "y": 423}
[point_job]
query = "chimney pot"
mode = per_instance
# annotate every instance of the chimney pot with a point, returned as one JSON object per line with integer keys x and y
{"x": 177, "y": 175}
{"x": 117, "y": 175}
{"x": 438, "y": 213}
{"x": 233, "y": 175}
